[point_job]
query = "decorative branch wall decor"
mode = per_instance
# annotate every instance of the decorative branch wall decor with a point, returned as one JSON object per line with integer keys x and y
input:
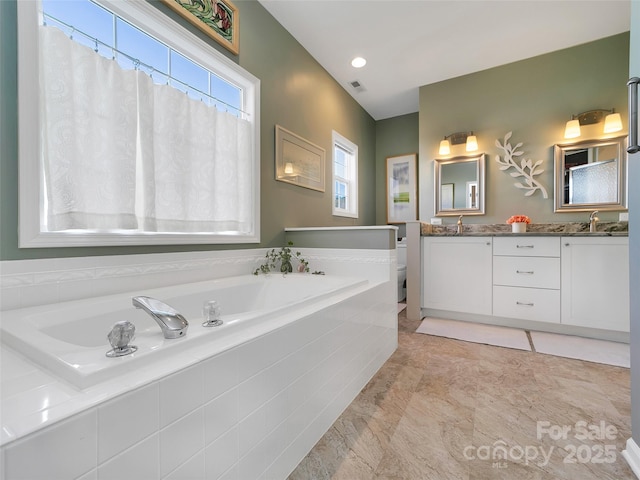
{"x": 526, "y": 168}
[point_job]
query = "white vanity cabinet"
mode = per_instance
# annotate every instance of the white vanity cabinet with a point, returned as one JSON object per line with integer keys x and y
{"x": 457, "y": 274}
{"x": 595, "y": 282}
{"x": 526, "y": 278}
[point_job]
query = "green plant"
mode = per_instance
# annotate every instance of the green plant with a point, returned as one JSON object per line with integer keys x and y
{"x": 280, "y": 260}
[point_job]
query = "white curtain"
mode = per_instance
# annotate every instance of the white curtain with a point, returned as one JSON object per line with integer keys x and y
{"x": 198, "y": 167}
{"x": 89, "y": 110}
{"x": 123, "y": 153}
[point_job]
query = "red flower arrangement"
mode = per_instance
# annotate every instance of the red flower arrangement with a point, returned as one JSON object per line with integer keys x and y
{"x": 518, "y": 219}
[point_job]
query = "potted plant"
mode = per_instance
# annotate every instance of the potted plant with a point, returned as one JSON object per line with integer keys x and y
{"x": 281, "y": 260}
{"x": 518, "y": 223}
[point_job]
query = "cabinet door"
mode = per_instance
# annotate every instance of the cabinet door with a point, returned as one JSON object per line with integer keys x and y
{"x": 595, "y": 282}
{"x": 457, "y": 274}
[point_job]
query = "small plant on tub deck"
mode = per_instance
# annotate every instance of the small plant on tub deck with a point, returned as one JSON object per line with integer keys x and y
{"x": 280, "y": 261}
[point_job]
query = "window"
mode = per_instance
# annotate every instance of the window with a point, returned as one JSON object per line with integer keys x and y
{"x": 345, "y": 177}
{"x": 156, "y": 57}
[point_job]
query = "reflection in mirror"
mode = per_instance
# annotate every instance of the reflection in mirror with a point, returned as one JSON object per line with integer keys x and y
{"x": 459, "y": 185}
{"x": 590, "y": 175}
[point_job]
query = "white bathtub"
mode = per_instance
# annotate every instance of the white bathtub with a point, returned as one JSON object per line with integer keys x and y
{"x": 70, "y": 339}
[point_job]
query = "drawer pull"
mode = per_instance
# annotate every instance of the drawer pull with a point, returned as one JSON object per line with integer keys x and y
{"x": 524, "y": 246}
{"x": 525, "y": 304}
{"x": 527, "y": 272}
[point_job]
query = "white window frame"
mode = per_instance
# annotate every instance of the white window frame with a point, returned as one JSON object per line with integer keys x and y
{"x": 344, "y": 143}
{"x": 32, "y": 233}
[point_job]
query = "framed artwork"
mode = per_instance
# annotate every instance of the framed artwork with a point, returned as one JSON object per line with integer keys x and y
{"x": 402, "y": 192}
{"x": 299, "y": 161}
{"x": 217, "y": 18}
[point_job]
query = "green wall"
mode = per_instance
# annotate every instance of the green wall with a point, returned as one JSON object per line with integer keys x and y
{"x": 533, "y": 98}
{"x": 296, "y": 92}
{"x": 394, "y": 136}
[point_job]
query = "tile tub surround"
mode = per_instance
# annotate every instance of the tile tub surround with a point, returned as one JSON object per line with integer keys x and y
{"x": 251, "y": 412}
{"x": 35, "y": 403}
{"x": 564, "y": 229}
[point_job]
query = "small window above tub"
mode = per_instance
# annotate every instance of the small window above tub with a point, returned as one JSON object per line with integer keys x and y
{"x": 345, "y": 176}
{"x": 141, "y": 134}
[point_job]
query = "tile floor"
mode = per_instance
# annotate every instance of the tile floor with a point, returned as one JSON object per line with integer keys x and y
{"x": 442, "y": 409}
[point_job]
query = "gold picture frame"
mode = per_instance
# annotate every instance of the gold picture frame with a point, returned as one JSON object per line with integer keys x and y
{"x": 299, "y": 161}
{"x": 219, "y": 19}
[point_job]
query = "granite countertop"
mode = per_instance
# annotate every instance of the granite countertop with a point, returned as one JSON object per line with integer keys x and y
{"x": 569, "y": 229}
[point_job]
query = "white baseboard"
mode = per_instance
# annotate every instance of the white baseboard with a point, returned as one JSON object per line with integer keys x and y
{"x": 632, "y": 455}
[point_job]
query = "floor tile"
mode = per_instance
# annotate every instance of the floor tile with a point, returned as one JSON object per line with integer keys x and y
{"x": 444, "y": 409}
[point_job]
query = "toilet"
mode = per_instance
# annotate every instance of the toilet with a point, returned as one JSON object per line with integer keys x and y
{"x": 401, "y": 249}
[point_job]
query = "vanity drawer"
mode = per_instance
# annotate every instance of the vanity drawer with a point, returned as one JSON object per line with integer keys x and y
{"x": 523, "y": 246}
{"x": 540, "y": 272}
{"x": 537, "y": 304}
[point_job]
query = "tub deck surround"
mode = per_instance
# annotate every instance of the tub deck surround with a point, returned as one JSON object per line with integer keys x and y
{"x": 533, "y": 229}
{"x": 256, "y": 408}
{"x": 69, "y": 339}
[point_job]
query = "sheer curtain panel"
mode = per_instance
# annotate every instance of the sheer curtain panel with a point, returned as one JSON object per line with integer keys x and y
{"x": 120, "y": 152}
{"x": 89, "y": 114}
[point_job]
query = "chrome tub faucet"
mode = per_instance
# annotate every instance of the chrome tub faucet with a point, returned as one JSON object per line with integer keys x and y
{"x": 171, "y": 322}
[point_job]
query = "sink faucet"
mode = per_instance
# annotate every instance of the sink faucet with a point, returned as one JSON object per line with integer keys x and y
{"x": 460, "y": 227}
{"x": 593, "y": 220}
{"x": 173, "y": 324}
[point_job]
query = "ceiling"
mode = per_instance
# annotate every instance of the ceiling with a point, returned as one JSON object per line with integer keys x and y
{"x": 410, "y": 43}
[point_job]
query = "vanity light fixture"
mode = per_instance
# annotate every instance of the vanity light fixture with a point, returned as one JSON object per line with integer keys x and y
{"x": 472, "y": 143}
{"x": 358, "y": 62}
{"x": 456, "y": 139}
{"x": 612, "y": 122}
{"x": 288, "y": 168}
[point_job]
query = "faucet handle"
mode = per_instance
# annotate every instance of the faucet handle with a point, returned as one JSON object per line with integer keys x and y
{"x": 119, "y": 337}
{"x": 211, "y": 312}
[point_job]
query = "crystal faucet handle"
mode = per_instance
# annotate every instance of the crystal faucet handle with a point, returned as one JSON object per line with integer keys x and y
{"x": 120, "y": 338}
{"x": 211, "y": 312}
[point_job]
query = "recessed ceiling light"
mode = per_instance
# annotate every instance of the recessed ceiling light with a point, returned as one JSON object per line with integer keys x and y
{"x": 358, "y": 62}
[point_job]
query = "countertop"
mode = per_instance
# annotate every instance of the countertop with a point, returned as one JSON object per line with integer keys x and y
{"x": 569, "y": 229}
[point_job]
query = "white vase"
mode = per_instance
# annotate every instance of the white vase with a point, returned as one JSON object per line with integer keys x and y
{"x": 519, "y": 227}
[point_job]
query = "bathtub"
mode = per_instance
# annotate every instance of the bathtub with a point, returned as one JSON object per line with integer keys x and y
{"x": 70, "y": 339}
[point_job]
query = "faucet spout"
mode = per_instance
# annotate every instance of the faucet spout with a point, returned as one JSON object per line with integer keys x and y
{"x": 593, "y": 221}
{"x": 171, "y": 322}
{"x": 460, "y": 226}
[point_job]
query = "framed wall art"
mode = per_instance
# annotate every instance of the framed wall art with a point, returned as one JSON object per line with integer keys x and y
{"x": 402, "y": 192}
{"x": 299, "y": 161}
{"x": 217, "y": 18}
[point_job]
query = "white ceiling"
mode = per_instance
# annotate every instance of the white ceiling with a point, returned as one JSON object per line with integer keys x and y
{"x": 410, "y": 43}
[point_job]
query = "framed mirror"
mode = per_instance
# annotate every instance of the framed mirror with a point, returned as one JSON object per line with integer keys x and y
{"x": 591, "y": 175}
{"x": 459, "y": 185}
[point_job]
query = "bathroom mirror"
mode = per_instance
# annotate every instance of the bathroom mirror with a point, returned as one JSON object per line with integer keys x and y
{"x": 591, "y": 175}
{"x": 459, "y": 185}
